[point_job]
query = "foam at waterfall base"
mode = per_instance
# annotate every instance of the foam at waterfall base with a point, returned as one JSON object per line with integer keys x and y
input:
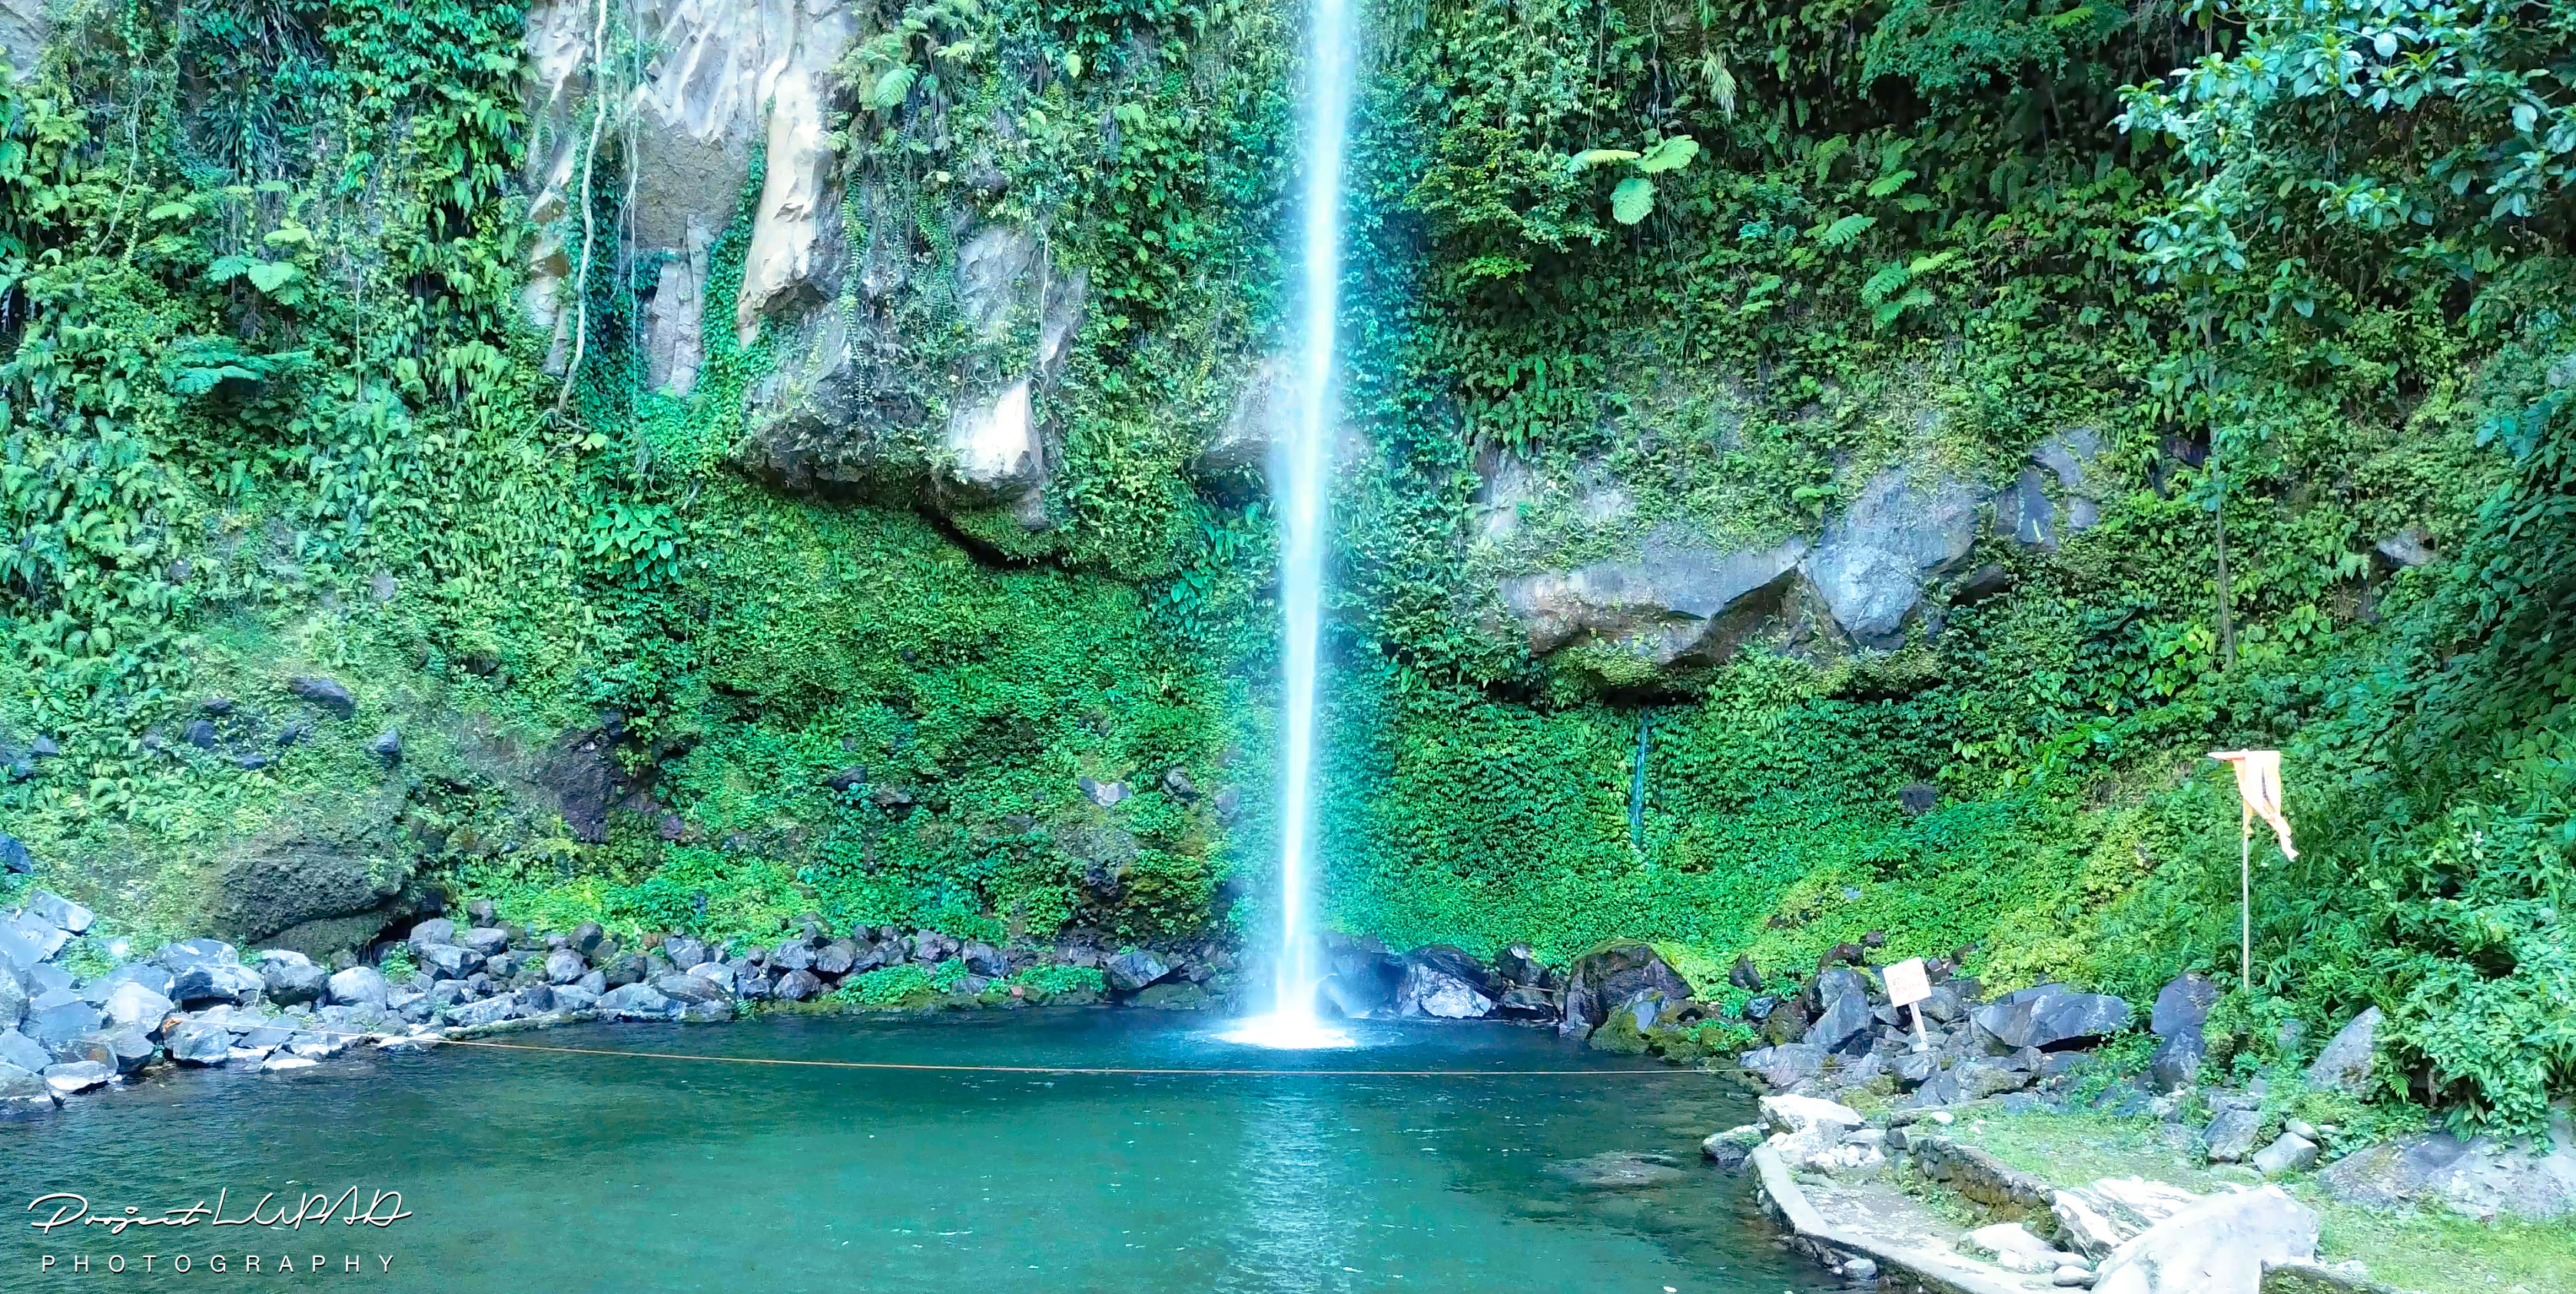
{"x": 1287, "y": 1033}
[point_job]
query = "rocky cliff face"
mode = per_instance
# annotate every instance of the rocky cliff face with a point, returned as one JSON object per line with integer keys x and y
{"x": 1674, "y": 599}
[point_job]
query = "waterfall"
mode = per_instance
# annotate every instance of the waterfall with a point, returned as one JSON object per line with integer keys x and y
{"x": 1300, "y": 474}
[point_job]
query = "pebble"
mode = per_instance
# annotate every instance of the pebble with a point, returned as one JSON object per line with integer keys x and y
{"x": 1860, "y": 1269}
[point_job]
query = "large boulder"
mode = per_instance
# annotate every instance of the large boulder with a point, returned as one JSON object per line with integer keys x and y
{"x": 1785, "y": 1065}
{"x": 2218, "y": 1246}
{"x": 638, "y": 1002}
{"x": 1131, "y": 971}
{"x": 2053, "y": 1018}
{"x": 131, "y": 1004}
{"x": 2182, "y": 1005}
{"x": 24, "y": 1089}
{"x": 43, "y": 936}
{"x": 56, "y": 1017}
{"x": 358, "y": 985}
{"x": 18, "y": 1049}
{"x": 2345, "y": 1064}
{"x": 1680, "y": 602}
{"x": 324, "y": 879}
{"x": 1841, "y": 999}
{"x": 1612, "y": 974}
{"x": 1433, "y": 987}
{"x": 291, "y": 977}
{"x": 13, "y": 999}
{"x": 2531, "y": 1178}
{"x": 61, "y": 912}
{"x": 196, "y": 1043}
{"x": 1820, "y": 1136}
{"x": 1907, "y": 526}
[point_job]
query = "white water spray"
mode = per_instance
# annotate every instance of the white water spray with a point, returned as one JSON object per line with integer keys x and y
{"x": 1305, "y": 464}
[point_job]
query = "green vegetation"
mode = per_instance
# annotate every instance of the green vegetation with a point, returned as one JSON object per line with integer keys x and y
{"x": 271, "y": 407}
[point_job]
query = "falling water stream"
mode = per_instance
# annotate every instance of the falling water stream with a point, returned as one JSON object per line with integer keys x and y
{"x": 1302, "y": 468}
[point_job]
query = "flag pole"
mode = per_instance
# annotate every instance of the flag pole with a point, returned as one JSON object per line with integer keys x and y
{"x": 2245, "y": 905}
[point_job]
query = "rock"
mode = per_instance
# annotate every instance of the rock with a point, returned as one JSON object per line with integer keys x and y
{"x": 324, "y": 692}
{"x": 1177, "y": 784}
{"x": 449, "y": 961}
{"x": 289, "y": 978}
{"x": 2100, "y": 1218}
{"x": 18, "y": 1049}
{"x": 123, "y": 1049}
{"x": 134, "y": 1005}
{"x": 216, "y": 982}
{"x": 1624, "y": 1031}
{"x": 61, "y": 912}
{"x": 284, "y": 1062}
{"x": 1861, "y": 1271}
{"x": 2230, "y": 1135}
{"x": 1979, "y": 1079}
{"x": 2176, "y": 1062}
{"x": 2288, "y": 1153}
{"x": 2487, "y": 1178}
{"x": 1611, "y": 974}
{"x": 1431, "y": 988}
{"x": 432, "y": 933}
{"x": 1918, "y": 798}
{"x": 2218, "y": 1246}
{"x": 536, "y": 998}
{"x": 14, "y": 858}
{"x": 2052, "y": 1018}
{"x": 487, "y": 940}
{"x": 77, "y": 1076}
{"x": 2345, "y": 1064}
{"x": 24, "y": 1089}
{"x": 358, "y": 985}
{"x": 1678, "y": 603}
{"x": 1729, "y": 1149}
{"x": 574, "y": 997}
{"x": 490, "y": 1010}
{"x": 688, "y": 988}
{"x": 2016, "y": 1249}
{"x": 2182, "y": 1005}
{"x": 45, "y": 936}
{"x": 2071, "y": 1278}
{"x": 985, "y": 960}
{"x": 564, "y": 966}
{"x": 1795, "y": 1115}
{"x": 58, "y": 1016}
{"x": 1870, "y": 565}
{"x": 20, "y": 951}
{"x": 1130, "y": 971}
{"x": 387, "y": 747}
{"x": 796, "y": 986}
{"x": 684, "y": 952}
{"x": 1525, "y": 1002}
{"x": 1785, "y": 1065}
{"x": 587, "y": 938}
{"x": 724, "y": 975}
{"x": 1618, "y": 1170}
{"x": 1842, "y": 1001}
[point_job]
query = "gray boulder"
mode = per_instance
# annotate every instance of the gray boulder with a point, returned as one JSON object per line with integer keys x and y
{"x": 2289, "y": 1153}
{"x": 13, "y": 999}
{"x": 1426, "y": 989}
{"x": 1129, "y": 972}
{"x": 1786, "y": 1064}
{"x": 124, "y": 1049}
{"x": 431, "y": 933}
{"x": 136, "y": 1006}
{"x": 1612, "y": 974}
{"x": 724, "y": 975}
{"x": 2053, "y": 1018}
{"x": 358, "y": 985}
{"x": 2230, "y": 1135}
{"x": 587, "y": 937}
{"x": 148, "y": 974}
{"x": 1842, "y": 998}
{"x": 77, "y": 1076}
{"x": 2182, "y": 1005}
{"x": 2487, "y": 1178}
{"x": 196, "y": 1044}
{"x": 792, "y": 955}
{"x": 574, "y": 997}
{"x": 2345, "y": 1064}
{"x": 490, "y": 941}
{"x": 491, "y": 1010}
{"x": 57, "y": 1017}
{"x": 2176, "y": 1062}
{"x": 18, "y": 1049}
{"x": 2217, "y": 1246}
{"x": 564, "y": 966}
{"x": 290, "y": 978}
{"x": 61, "y": 912}
{"x": 985, "y": 960}
{"x": 325, "y": 693}
{"x": 686, "y": 988}
{"x": 537, "y": 999}
{"x": 20, "y": 951}
{"x": 449, "y": 961}
{"x": 1680, "y": 602}
{"x": 42, "y": 936}
{"x": 24, "y": 1089}
{"x": 684, "y": 952}
{"x": 796, "y": 986}
{"x": 835, "y": 958}
{"x": 216, "y": 982}
{"x": 1906, "y": 526}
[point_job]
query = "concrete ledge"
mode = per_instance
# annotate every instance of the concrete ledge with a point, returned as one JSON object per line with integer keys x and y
{"x": 1935, "y": 1270}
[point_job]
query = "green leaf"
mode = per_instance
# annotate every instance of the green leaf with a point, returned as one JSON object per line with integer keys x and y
{"x": 171, "y": 211}
{"x": 227, "y": 268}
{"x": 1671, "y": 155}
{"x": 1843, "y": 232}
{"x": 1592, "y": 157}
{"x": 1630, "y": 202}
{"x": 269, "y": 276}
{"x": 1887, "y": 184}
{"x": 891, "y": 88}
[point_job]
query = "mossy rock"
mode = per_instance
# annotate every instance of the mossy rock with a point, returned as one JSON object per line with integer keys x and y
{"x": 1620, "y": 1036}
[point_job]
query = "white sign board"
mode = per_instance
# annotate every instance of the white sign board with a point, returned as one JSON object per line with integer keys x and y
{"x": 1907, "y": 983}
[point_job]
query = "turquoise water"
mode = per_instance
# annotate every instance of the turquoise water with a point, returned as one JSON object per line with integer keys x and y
{"x": 528, "y": 1171}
